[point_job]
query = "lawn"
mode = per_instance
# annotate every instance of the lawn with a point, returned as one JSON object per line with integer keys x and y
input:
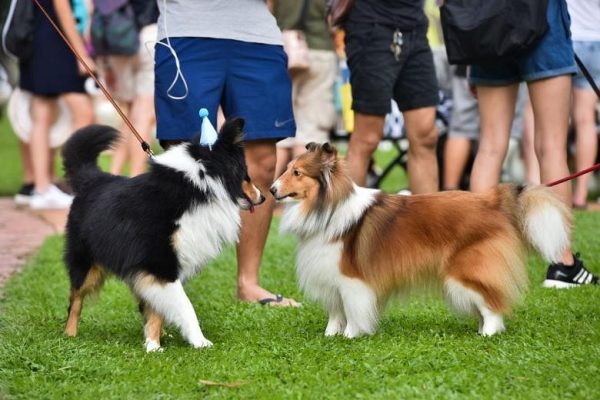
{"x": 551, "y": 348}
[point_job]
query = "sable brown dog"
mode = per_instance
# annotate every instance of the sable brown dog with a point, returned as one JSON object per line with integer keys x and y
{"x": 359, "y": 246}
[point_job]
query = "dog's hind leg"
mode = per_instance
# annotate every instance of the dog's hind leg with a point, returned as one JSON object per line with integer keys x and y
{"x": 169, "y": 300}
{"x": 468, "y": 301}
{"x": 153, "y": 323}
{"x": 92, "y": 282}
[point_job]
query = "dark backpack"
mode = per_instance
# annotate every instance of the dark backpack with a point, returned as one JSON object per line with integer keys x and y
{"x": 114, "y": 29}
{"x": 488, "y": 31}
{"x": 18, "y": 29}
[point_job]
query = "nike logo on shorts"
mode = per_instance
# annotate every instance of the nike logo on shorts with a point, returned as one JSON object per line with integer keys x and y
{"x": 280, "y": 124}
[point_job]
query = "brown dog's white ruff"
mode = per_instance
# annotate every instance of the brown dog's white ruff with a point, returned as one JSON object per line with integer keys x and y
{"x": 357, "y": 246}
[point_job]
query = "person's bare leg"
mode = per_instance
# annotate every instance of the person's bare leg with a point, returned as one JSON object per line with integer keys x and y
{"x": 120, "y": 151}
{"x": 43, "y": 115}
{"x": 81, "y": 108}
{"x": 298, "y": 150}
{"x": 586, "y": 143}
{"x": 497, "y": 110}
{"x": 530, "y": 161}
{"x": 283, "y": 158}
{"x": 26, "y": 162}
{"x": 82, "y": 113}
{"x": 142, "y": 118}
{"x": 368, "y": 131}
{"x": 550, "y": 99}
{"x": 261, "y": 160}
{"x": 456, "y": 155}
{"x": 422, "y": 160}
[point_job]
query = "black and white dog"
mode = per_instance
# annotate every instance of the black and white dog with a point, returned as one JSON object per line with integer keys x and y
{"x": 156, "y": 230}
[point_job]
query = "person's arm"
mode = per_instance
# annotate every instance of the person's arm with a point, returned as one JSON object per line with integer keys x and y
{"x": 67, "y": 24}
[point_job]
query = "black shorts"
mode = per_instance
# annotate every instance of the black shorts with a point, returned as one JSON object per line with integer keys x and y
{"x": 376, "y": 76}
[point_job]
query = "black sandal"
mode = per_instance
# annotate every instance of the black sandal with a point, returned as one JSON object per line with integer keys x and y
{"x": 278, "y": 299}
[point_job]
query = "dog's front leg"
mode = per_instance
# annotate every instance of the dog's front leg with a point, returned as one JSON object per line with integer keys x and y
{"x": 360, "y": 307}
{"x": 169, "y": 300}
{"x": 337, "y": 318}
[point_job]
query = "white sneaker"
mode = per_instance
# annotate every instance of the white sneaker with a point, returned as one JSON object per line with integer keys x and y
{"x": 53, "y": 198}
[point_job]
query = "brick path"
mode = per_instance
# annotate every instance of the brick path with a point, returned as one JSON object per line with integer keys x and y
{"x": 22, "y": 232}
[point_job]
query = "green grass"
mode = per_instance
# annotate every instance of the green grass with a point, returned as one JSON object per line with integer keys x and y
{"x": 11, "y": 170}
{"x": 550, "y": 351}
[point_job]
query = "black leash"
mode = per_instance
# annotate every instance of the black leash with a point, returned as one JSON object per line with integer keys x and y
{"x": 587, "y": 75}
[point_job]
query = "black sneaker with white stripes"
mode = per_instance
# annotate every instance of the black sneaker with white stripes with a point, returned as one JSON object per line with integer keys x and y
{"x": 560, "y": 276}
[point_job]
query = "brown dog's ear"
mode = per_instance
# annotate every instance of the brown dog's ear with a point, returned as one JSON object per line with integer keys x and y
{"x": 329, "y": 157}
{"x": 312, "y": 146}
{"x": 329, "y": 149}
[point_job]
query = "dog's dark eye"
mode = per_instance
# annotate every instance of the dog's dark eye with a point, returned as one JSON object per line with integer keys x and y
{"x": 295, "y": 172}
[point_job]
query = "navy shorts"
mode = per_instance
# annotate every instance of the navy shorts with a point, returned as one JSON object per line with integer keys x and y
{"x": 377, "y": 77}
{"x": 552, "y": 56}
{"x": 249, "y": 80}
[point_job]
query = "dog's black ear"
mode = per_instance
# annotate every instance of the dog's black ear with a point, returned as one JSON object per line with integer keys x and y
{"x": 196, "y": 138}
{"x": 312, "y": 146}
{"x": 232, "y": 131}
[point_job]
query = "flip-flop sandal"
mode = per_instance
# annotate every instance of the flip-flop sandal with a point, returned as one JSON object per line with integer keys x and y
{"x": 278, "y": 299}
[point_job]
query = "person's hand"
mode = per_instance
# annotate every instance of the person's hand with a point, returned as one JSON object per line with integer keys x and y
{"x": 109, "y": 78}
{"x": 473, "y": 90}
{"x": 90, "y": 63}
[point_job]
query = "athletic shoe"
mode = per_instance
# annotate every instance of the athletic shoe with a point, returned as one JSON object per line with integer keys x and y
{"x": 560, "y": 276}
{"x": 23, "y": 196}
{"x": 53, "y": 198}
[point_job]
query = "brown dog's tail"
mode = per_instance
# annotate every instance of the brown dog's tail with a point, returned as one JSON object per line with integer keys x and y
{"x": 544, "y": 220}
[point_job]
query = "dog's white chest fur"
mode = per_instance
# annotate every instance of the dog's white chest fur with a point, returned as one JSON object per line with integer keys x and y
{"x": 202, "y": 233}
{"x": 318, "y": 267}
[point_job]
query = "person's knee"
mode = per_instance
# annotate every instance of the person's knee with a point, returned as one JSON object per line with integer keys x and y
{"x": 82, "y": 117}
{"x": 424, "y": 139}
{"x": 262, "y": 169}
{"x": 582, "y": 118}
{"x": 549, "y": 152}
{"x": 368, "y": 132}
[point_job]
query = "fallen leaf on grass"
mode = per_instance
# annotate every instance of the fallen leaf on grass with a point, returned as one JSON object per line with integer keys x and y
{"x": 224, "y": 384}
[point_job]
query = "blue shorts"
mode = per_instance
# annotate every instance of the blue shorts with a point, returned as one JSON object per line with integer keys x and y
{"x": 589, "y": 54}
{"x": 551, "y": 56}
{"x": 249, "y": 80}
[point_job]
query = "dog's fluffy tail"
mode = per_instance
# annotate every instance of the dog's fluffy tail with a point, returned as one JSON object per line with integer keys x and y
{"x": 81, "y": 151}
{"x": 545, "y": 221}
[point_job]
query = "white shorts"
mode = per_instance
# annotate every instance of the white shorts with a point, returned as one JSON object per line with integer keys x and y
{"x": 134, "y": 75}
{"x": 312, "y": 93}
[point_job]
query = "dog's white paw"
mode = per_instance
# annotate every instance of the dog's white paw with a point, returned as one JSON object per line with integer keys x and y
{"x": 335, "y": 327}
{"x": 152, "y": 346}
{"x": 492, "y": 327}
{"x": 201, "y": 343}
{"x": 351, "y": 332}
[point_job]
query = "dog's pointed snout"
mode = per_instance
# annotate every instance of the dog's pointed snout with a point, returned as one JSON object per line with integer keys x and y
{"x": 261, "y": 199}
{"x": 273, "y": 190}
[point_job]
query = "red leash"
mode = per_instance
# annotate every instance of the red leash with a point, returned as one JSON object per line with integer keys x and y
{"x": 145, "y": 145}
{"x": 575, "y": 175}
